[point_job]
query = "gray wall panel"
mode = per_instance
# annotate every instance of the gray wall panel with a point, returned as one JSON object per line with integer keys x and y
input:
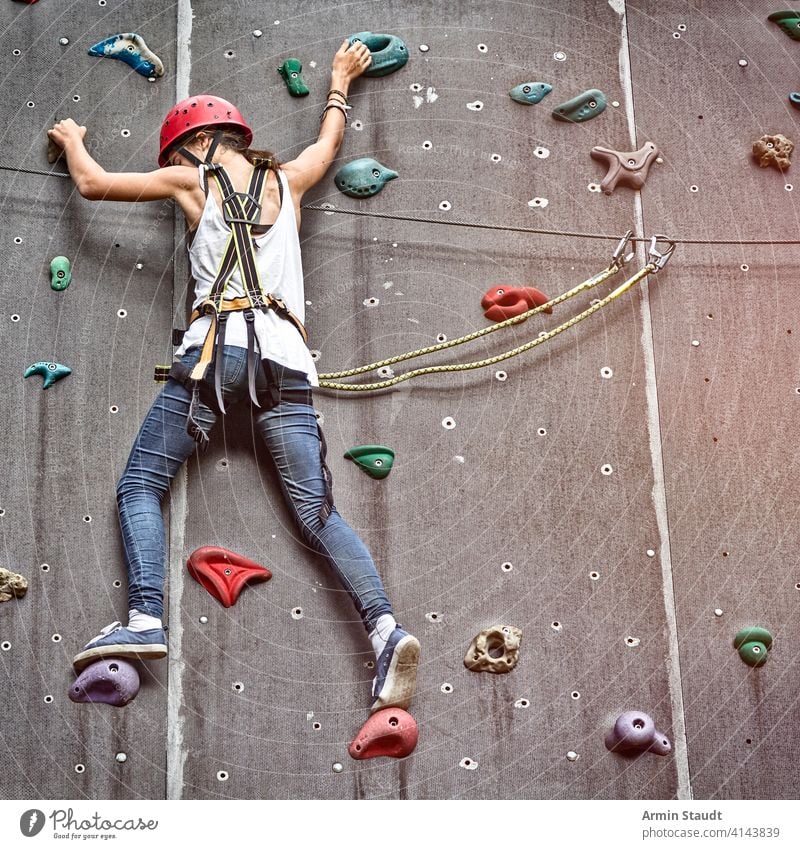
{"x": 519, "y": 477}
{"x": 727, "y": 403}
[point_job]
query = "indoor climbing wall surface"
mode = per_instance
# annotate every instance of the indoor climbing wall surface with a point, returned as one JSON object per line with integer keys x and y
{"x": 520, "y": 494}
{"x": 64, "y": 447}
{"x": 726, "y": 338}
{"x": 623, "y": 493}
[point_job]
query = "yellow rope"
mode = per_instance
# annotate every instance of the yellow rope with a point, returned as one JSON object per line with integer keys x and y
{"x": 441, "y": 346}
{"x": 545, "y": 337}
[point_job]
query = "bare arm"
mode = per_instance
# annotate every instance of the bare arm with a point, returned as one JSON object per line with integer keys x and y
{"x": 95, "y": 183}
{"x": 311, "y": 165}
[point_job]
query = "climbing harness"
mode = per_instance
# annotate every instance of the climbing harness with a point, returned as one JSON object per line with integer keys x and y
{"x": 241, "y": 211}
{"x": 657, "y": 261}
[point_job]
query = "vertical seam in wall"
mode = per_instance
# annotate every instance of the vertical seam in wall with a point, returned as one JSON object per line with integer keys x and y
{"x": 176, "y": 753}
{"x": 659, "y": 494}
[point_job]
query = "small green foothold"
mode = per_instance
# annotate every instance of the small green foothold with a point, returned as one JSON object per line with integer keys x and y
{"x": 51, "y": 372}
{"x": 753, "y": 645}
{"x": 290, "y": 71}
{"x": 750, "y": 635}
{"x": 789, "y": 22}
{"x": 753, "y": 654}
{"x": 529, "y": 93}
{"x": 60, "y": 273}
{"x": 581, "y": 108}
{"x": 375, "y": 460}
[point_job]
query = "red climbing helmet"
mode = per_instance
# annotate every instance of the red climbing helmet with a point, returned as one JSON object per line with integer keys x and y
{"x": 195, "y": 112}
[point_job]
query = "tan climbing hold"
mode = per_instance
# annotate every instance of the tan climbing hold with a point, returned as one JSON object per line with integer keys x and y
{"x": 494, "y": 649}
{"x": 774, "y": 150}
{"x": 625, "y": 168}
{"x": 11, "y": 585}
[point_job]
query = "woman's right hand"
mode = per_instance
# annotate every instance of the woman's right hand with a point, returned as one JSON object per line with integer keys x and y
{"x": 351, "y": 61}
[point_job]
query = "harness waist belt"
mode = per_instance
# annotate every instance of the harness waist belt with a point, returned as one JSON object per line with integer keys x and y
{"x": 234, "y": 304}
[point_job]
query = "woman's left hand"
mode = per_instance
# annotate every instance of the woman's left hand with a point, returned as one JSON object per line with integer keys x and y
{"x": 351, "y": 61}
{"x": 66, "y": 131}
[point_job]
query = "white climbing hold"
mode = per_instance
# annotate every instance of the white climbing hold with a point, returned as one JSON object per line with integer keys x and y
{"x": 468, "y": 763}
{"x": 538, "y": 203}
{"x": 541, "y": 152}
{"x": 475, "y": 106}
{"x": 572, "y": 756}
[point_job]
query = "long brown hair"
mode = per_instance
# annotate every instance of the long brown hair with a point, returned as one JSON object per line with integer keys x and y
{"x": 233, "y": 139}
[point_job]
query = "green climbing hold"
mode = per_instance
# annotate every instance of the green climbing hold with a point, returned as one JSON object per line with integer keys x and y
{"x": 754, "y": 653}
{"x": 51, "y": 372}
{"x": 60, "y": 273}
{"x": 389, "y": 52}
{"x": 290, "y": 70}
{"x": 789, "y": 22}
{"x": 530, "y": 93}
{"x": 375, "y": 460}
{"x": 753, "y": 645}
{"x": 363, "y": 178}
{"x": 581, "y": 108}
{"x": 749, "y": 635}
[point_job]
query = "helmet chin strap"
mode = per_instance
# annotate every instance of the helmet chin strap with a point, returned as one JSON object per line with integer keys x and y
{"x": 209, "y": 155}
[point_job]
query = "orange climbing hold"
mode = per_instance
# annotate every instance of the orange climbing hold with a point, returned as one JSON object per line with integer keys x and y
{"x": 504, "y": 302}
{"x": 388, "y": 733}
{"x": 224, "y": 573}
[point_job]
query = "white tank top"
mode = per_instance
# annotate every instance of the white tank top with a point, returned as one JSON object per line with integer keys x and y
{"x": 280, "y": 268}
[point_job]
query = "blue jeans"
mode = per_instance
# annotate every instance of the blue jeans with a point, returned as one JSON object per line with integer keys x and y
{"x": 293, "y": 438}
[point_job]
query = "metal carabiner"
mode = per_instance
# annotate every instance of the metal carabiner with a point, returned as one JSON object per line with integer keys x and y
{"x": 619, "y": 258}
{"x": 657, "y": 258}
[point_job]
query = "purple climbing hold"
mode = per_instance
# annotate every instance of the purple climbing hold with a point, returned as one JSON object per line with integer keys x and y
{"x": 635, "y": 732}
{"x": 110, "y": 681}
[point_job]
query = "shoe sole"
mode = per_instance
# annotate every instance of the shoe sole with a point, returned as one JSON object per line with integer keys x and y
{"x": 401, "y": 679}
{"x": 152, "y": 651}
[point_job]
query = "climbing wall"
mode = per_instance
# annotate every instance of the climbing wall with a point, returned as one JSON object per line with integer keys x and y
{"x": 624, "y": 493}
{"x": 725, "y": 341}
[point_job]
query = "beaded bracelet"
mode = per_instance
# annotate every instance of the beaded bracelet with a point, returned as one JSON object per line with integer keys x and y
{"x": 338, "y": 106}
{"x": 340, "y": 93}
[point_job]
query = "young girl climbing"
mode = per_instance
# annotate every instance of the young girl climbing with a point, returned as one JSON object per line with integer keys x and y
{"x": 246, "y": 341}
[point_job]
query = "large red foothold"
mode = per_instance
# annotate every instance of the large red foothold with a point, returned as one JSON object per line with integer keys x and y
{"x": 224, "y": 573}
{"x": 388, "y": 733}
{"x": 504, "y": 302}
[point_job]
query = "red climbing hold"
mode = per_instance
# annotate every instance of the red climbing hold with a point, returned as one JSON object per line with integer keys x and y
{"x": 504, "y": 302}
{"x": 389, "y": 733}
{"x": 224, "y": 573}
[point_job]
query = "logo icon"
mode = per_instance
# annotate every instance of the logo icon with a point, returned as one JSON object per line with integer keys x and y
{"x": 31, "y": 822}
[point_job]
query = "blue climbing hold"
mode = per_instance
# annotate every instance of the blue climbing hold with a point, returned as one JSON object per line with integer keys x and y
{"x": 51, "y": 372}
{"x": 375, "y": 460}
{"x": 363, "y": 178}
{"x": 131, "y": 49}
{"x": 530, "y": 93}
{"x": 389, "y": 52}
{"x": 581, "y": 108}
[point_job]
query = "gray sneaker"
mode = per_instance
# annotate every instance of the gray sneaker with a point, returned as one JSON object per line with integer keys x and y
{"x": 396, "y": 677}
{"x": 116, "y": 641}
